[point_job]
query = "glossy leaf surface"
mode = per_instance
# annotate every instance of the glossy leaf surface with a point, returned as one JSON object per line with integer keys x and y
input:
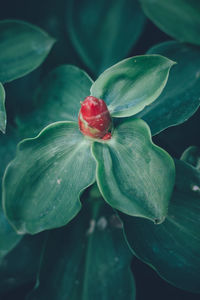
{"x": 47, "y": 177}
{"x": 57, "y": 96}
{"x": 57, "y": 99}
{"x": 134, "y": 175}
{"x": 178, "y": 18}
{"x": 133, "y": 83}
{"x": 173, "y": 247}
{"x": 2, "y": 109}
{"x": 99, "y": 30}
{"x": 180, "y": 98}
{"x": 23, "y": 47}
{"x": 92, "y": 261}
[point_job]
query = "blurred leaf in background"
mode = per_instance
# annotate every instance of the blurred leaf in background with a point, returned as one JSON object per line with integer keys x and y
{"x": 20, "y": 266}
{"x": 172, "y": 248}
{"x": 104, "y": 32}
{"x": 178, "y": 18}
{"x": 88, "y": 259}
{"x": 23, "y": 47}
{"x": 180, "y": 98}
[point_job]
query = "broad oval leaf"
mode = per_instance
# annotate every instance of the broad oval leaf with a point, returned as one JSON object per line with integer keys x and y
{"x": 134, "y": 175}
{"x": 173, "y": 247}
{"x": 47, "y": 177}
{"x": 133, "y": 83}
{"x": 57, "y": 99}
{"x": 23, "y": 47}
{"x": 93, "y": 261}
{"x": 99, "y": 30}
{"x": 179, "y": 18}
{"x": 2, "y": 109}
{"x": 180, "y": 98}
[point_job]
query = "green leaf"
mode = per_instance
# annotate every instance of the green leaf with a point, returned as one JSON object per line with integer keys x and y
{"x": 93, "y": 261}
{"x": 47, "y": 177}
{"x": 8, "y": 237}
{"x": 52, "y": 19}
{"x": 133, "y": 83}
{"x": 57, "y": 99}
{"x": 99, "y": 30}
{"x": 23, "y": 47}
{"x": 2, "y": 109}
{"x": 192, "y": 156}
{"x": 20, "y": 266}
{"x": 173, "y": 247}
{"x": 134, "y": 175}
{"x": 180, "y": 98}
{"x": 180, "y": 18}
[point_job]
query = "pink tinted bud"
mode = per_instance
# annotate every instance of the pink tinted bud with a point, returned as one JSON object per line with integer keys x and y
{"x": 94, "y": 118}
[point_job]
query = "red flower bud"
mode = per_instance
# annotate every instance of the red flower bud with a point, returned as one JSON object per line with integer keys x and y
{"x": 94, "y": 118}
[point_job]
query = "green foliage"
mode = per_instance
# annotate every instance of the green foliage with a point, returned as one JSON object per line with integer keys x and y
{"x": 172, "y": 248}
{"x": 91, "y": 261}
{"x": 56, "y": 99}
{"x": 20, "y": 266}
{"x": 178, "y": 18}
{"x": 60, "y": 157}
{"x": 8, "y": 237}
{"x": 50, "y": 181}
{"x": 23, "y": 47}
{"x": 99, "y": 30}
{"x": 59, "y": 165}
{"x": 133, "y": 83}
{"x": 121, "y": 182}
{"x": 180, "y": 98}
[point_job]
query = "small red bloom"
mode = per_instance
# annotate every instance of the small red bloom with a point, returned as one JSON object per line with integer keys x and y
{"x": 94, "y": 118}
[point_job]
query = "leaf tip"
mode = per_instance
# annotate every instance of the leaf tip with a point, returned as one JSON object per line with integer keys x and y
{"x": 52, "y": 40}
{"x": 158, "y": 221}
{"x": 3, "y": 130}
{"x": 172, "y": 62}
{"x": 3, "y": 125}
